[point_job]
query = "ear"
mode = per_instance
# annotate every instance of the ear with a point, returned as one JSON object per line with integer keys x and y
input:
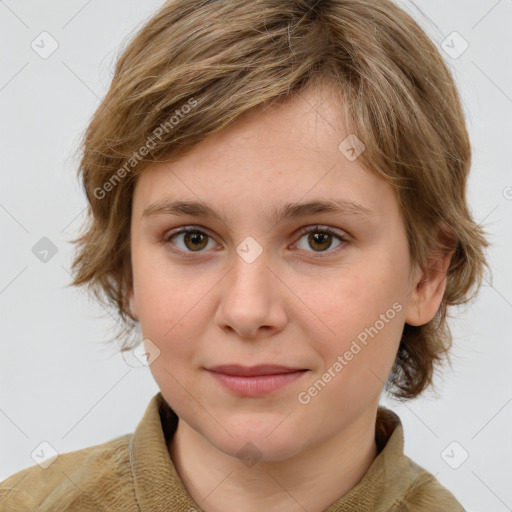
{"x": 430, "y": 284}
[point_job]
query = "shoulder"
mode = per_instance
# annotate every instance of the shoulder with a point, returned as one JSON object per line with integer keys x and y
{"x": 405, "y": 486}
{"x": 425, "y": 494}
{"x": 72, "y": 478}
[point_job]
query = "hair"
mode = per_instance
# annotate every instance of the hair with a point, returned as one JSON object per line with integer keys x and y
{"x": 197, "y": 65}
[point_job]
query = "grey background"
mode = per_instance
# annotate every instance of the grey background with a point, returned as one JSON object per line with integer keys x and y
{"x": 60, "y": 383}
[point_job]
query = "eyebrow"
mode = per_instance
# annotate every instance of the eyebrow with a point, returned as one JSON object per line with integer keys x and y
{"x": 288, "y": 211}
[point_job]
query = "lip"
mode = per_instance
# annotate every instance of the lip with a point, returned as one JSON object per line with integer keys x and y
{"x": 255, "y": 380}
{"x": 251, "y": 371}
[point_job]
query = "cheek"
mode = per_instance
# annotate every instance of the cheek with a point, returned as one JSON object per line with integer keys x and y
{"x": 170, "y": 301}
{"x": 172, "y": 324}
{"x": 359, "y": 316}
{"x": 176, "y": 326}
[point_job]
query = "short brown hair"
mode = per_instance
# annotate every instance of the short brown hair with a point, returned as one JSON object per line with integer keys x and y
{"x": 197, "y": 65}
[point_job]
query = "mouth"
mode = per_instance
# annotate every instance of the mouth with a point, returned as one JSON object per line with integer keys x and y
{"x": 255, "y": 380}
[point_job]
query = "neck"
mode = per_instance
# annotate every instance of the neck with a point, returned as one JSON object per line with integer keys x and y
{"x": 311, "y": 480}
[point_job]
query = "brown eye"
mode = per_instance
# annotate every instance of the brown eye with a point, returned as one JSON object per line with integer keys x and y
{"x": 195, "y": 241}
{"x": 320, "y": 240}
{"x": 189, "y": 240}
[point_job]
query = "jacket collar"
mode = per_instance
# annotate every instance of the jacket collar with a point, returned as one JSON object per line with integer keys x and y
{"x": 158, "y": 486}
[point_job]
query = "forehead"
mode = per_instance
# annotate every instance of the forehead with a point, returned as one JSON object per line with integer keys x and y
{"x": 270, "y": 157}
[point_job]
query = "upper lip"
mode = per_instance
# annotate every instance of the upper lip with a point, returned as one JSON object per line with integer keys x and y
{"x": 248, "y": 371}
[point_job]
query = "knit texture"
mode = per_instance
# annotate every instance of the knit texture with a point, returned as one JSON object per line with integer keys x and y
{"x": 135, "y": 473}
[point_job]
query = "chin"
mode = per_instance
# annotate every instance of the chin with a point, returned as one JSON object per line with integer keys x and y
{"x": 259, "y": 443}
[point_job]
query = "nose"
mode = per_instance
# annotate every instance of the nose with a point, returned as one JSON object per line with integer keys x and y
{"x": 252, "y": 301}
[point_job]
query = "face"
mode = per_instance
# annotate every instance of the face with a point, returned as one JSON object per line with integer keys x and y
{"x": 325, "y": 293}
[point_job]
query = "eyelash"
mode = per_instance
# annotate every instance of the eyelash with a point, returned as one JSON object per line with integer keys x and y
{"x": 310, "y": 229}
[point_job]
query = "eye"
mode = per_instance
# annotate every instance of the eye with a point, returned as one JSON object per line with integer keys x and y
{"x": 320, "y": 239}
{"x": 192, "y": 240}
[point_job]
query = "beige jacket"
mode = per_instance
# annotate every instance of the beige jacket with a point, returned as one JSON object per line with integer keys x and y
{"x": 134, "y": 473}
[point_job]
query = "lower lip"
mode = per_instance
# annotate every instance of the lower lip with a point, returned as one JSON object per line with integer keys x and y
{"x": 257, "y": 385}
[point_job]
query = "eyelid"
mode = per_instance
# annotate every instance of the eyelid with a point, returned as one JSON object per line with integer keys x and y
{"x": 323, "y": 229}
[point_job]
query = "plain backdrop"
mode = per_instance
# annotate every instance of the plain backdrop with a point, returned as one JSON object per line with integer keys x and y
{"x": 60, "y": 382}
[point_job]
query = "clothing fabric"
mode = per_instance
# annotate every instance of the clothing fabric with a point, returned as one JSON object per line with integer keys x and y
{"x": 135, "y": 473}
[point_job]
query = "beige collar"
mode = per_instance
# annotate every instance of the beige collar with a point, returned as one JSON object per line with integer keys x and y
{"x": 158, "y": 486}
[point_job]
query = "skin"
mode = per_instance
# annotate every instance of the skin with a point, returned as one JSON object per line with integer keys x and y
{"x": 287, "y": 307}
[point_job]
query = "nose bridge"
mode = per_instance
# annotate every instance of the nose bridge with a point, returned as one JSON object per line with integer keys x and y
{"x": 250, "y": 251}
{"x": 250, "y": 266}
{"x": 249, "y": 299}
